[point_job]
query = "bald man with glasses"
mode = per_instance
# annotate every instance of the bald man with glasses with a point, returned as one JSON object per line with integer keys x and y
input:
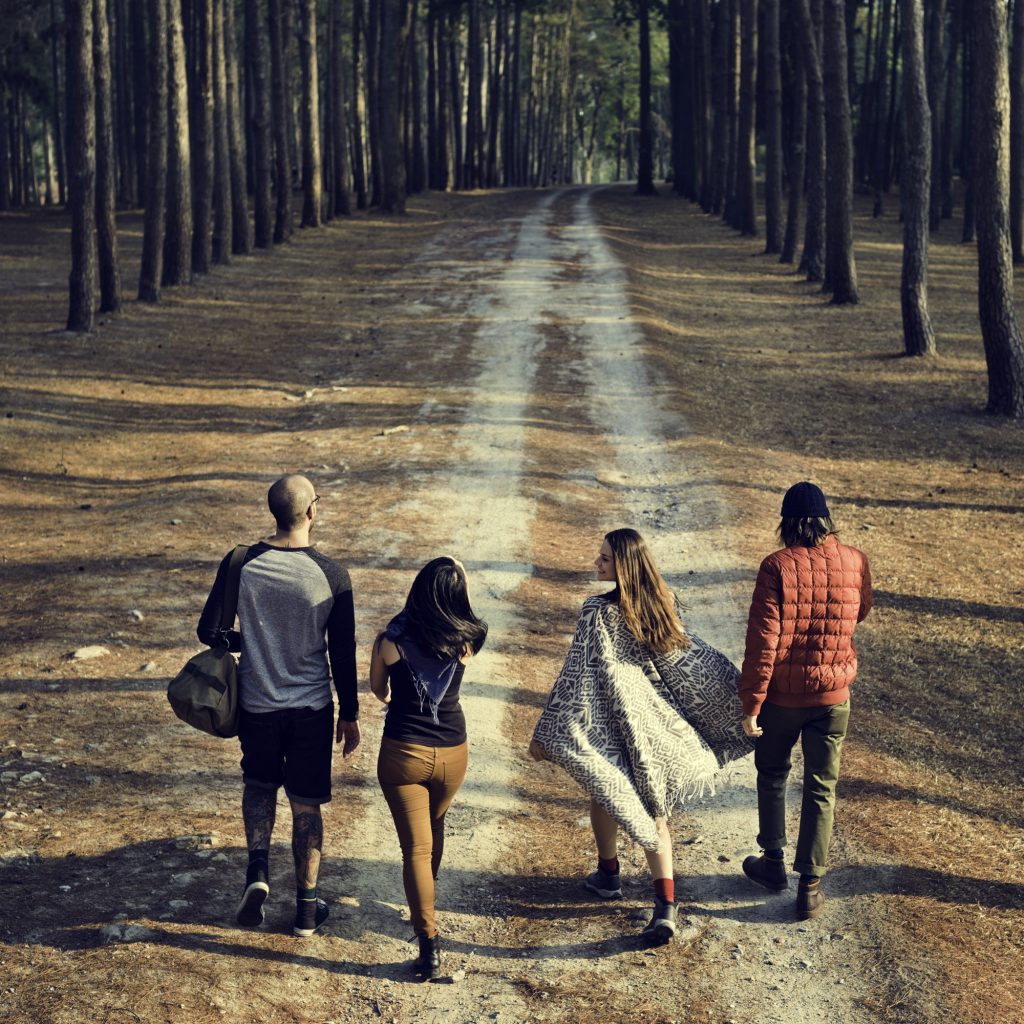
{"x": 296, "y": 631}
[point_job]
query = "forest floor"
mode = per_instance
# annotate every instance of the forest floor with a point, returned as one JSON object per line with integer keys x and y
{"x": 502, "y": 376}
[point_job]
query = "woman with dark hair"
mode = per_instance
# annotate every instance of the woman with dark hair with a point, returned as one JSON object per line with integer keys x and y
{"x": 416, "y": 669}
{"x": 642, "y": 716}
{"x": 799, "y": 663}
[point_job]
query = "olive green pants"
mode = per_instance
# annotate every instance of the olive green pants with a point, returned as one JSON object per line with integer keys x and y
{"x": 821, "y": 732}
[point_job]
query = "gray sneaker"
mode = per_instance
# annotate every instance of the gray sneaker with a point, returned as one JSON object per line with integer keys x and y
{"x": 662, "y": 925}
{"x": 605, "y": 884}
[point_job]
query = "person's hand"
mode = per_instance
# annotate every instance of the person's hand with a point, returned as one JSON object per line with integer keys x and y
{"x": 348, "y": 733}
{"x": 750, "y": 726}
{"x": 537, "y": 751}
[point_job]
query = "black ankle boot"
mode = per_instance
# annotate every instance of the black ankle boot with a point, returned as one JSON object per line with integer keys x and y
{"x": 428, "y": 963}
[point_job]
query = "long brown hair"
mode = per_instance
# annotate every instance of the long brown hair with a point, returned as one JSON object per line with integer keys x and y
{"x": 647, "y": 605}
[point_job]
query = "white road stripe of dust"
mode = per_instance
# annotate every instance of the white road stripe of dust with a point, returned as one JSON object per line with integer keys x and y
{"x": 472, "y": 507}
{"x": 688, "y": 525}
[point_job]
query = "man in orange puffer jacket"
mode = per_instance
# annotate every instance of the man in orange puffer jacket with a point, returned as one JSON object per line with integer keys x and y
{"x": 799, "y": 663}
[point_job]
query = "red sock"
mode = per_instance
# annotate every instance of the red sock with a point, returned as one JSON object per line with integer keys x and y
{"x": 665, "y": 889}
{"x": 611, "y": 865}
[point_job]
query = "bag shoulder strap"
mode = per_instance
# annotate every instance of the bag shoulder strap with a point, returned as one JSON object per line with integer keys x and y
{"x": 230, "y": 606}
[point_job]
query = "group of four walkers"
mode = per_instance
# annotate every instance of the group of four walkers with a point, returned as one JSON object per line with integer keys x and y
{"x": 643, "y": 715}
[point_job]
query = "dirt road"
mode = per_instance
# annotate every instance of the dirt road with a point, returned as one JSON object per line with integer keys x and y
{"x": 480, "y": 386}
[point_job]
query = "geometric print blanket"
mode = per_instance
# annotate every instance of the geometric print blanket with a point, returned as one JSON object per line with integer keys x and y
{"x": 641, "y": 732}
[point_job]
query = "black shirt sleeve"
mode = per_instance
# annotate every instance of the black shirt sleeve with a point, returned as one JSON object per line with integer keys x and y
{"x": 209, "y": 630}
{"x": 341, "y": 637}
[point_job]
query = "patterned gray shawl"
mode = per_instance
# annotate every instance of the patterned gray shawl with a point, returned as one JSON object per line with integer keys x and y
{"x": 641, "y": 732}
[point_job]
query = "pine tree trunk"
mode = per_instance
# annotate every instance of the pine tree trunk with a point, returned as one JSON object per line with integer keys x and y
{"x": 679, "y": 70}
{"x": 106, "y": 164}
{"x": 151, "y": 272}
{"x": 202, "y": 137}
{"x": 1004, "y": 349}
{"x": 58, "y": 99}
{"x": 879, "y": 157}
{"x": 241, "y": 237}
{"x": 178, "y": 237}
{"x": 470, "y": 167}
{"x": 936, "y": 77}
{"x": 773, "y": 122}
{"x": 142, "y": 73}
{"x": 439, "y": 171}
{"x": 312, "y": 171}
{"x": 949, "y": 109}
{"x": 720, "y": 108}
{"x": 966, "y": 100}
{"x": 373, "y": 72}
{"x": 222, "y": 207}
{"x": 915, "y": 173}
{"x": 259, "y": 74}
{"x": 645, "y": 156}
{"x": 812, "y": 259}
{"x": 732, "y": 107}
{"x": 358, "y": 101}
{"x": 840, "y": 268}
{"x": 339, "y": 123}
{"x": 281, "y": 121}
{"x": 456, "y": 99}
{"x": 81, "y": 165}
{"x": 702, "y": 101}
{"x": 1017, "y": 134}
{"x": 389, "y": 100}
{"x": 796, "y": 151}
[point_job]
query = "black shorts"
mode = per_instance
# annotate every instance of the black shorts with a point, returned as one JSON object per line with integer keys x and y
{"x": 290, "y": 748}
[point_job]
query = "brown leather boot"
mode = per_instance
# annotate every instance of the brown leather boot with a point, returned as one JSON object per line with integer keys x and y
{"x": 766, "y": 871}
{"x": 809, "y": 900}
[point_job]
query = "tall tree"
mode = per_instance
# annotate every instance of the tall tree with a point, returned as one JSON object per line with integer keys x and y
{"x": 773, "y": 123}
{"x": 840, "y": 267}
{"x": 279, "y": 65}
{"x": 1004, "y": 348}
{"x": 178, "y": 237}
{"x": 338, "y": 127}
{"x": 223, "y": 209}
{"x": 202, "y": 135}
{"x": 81, "y": 165}
{"x": 916, "y": 169}
{"x": 358, "y": 104}
{"x": 389, "y": 103}
{"x": 796, "y": 147}
{"x": 312, "y": 171}
{"x": 106, "y": 164}
{"x": 744, "y": 217}
{"x": 936, "y": 77}
{"x": 151, "y": 272}
{"x": 258, "y": 68}
{"x": 812, "y": 258}
{"x": 57, "y": 132}
{"x": 1017, "y": 134}
{"x": 241, "y": 236}
{"x": 645, "y": 152}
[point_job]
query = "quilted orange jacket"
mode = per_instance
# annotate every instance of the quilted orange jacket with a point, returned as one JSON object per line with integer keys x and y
{"x": 807, "y": 603}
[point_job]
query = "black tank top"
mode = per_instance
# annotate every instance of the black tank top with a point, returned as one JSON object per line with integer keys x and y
{"x": 409, "y": 719}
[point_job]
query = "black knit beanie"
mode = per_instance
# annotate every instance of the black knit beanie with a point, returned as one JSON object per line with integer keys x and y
{"x": 804, "y": 501}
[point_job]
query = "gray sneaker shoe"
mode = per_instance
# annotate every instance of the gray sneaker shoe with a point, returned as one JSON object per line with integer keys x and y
{"x": 605, "y": 884}
{"x": 662, "y": 925}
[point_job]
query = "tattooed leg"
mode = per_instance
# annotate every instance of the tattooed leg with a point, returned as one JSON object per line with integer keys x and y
{"x": 259, "y": 808}
{"x": 307, "y": 844}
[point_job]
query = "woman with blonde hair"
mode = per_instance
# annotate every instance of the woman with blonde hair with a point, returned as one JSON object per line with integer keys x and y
{"x": 642, "y": 716}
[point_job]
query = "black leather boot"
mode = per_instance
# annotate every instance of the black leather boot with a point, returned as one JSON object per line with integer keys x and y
{"x": 428, "y": 963}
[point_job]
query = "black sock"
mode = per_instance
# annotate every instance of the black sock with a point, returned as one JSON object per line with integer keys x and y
{"x": 775, "y": 854}
{"x": 259, "y": 865}
{"x": 305, "y": 894}
{"x": 809, "y": 881}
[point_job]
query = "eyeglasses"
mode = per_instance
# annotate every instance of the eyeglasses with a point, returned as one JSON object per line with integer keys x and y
{"x": 316, "y": 498}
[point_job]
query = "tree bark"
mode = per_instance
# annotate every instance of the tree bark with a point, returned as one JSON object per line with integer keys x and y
{"x": 358, "y": 157}
{"x": 142, "y": 87}
{"x": 312, "y": 171}
{"x": 645, "y": 154}
{"x": 392, "y": 48}
{"x": 151, "y": 272}
{"x": 58, "y": 134}
{"x": 1017, "y": 134}
{"x": 258, "y": 73}
{"x": 178, "y": 237}
{"x": 915, "y": 174}
{"x": 796, "y": 151}
{"x": 840, "y": 268}
{"x": 202, "y": 137}
{"x": 773, "y": 123}
{"x": 241, "y": 236}
{"x": 680, "y": 60}
{"x": 281, "y": 121}
{"x": 340, "y": 203}
{"x": 812, "y": 259}
{"x": 106, "y": 164}
{"x": 81, "y": 165}
{"x": 1004, "y": 349}
{"x": 879, "y": 155}
{"x": 223, "y": 210}
{"x": 936, "y": 77}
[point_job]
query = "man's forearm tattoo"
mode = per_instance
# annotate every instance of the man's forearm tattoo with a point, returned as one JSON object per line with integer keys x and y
{"x": 307, "y": 843}
{"x": 259, "y": 808}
